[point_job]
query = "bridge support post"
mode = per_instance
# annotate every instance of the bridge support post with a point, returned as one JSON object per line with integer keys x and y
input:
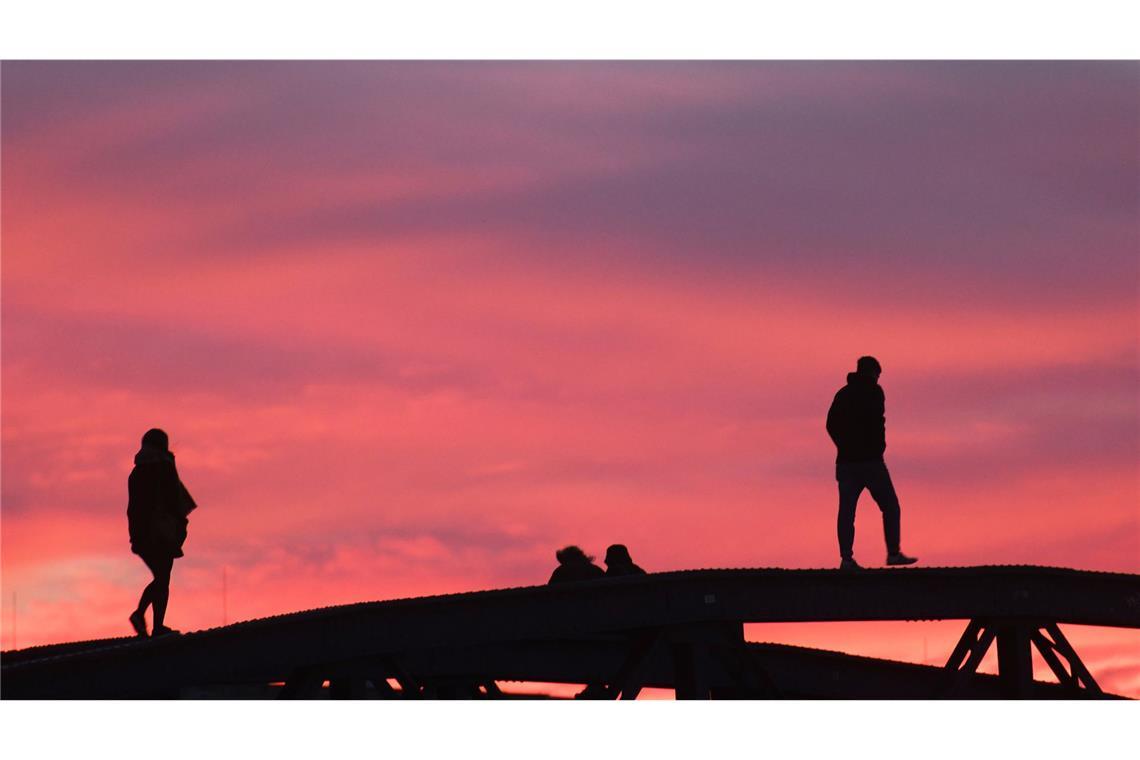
{"x": 693, "y": 648}
{"x": 1015, "y": 660}
{"x": 689, "y": 676}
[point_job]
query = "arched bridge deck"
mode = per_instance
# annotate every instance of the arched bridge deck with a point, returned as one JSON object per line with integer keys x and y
{"x": 681, "y": 630}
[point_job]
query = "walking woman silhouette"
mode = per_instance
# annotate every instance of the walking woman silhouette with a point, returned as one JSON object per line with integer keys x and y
{"x": 157, "y": 509}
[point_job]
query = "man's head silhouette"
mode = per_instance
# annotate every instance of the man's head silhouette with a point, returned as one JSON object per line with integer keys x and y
{"x": 618, "y": 554}
{"x": 869, "y": 366}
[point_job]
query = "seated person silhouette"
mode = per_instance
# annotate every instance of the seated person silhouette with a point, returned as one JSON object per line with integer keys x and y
{"x": 574, "y": 565}
{"x": 618, "y": 562}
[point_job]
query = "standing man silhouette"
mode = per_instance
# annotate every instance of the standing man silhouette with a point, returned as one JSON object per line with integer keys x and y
{"x": 856, "y": 423}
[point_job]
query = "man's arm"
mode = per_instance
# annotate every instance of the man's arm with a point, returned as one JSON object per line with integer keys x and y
{"x": 882, "y": 421}
{"x": 836, "y": 419}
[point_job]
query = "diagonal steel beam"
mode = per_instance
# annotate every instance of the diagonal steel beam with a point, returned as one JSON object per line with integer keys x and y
{"x": 979, "y": 651}
{"x": 1047, "y": 650}
{"x": 976, "y": 649}
{"x": 410, "y": 687}
{"x": 383, "y": 689}
{"x": 966, "y": 642}
{"x": 626, "y": 684}
{"x": 1066, "y": 650}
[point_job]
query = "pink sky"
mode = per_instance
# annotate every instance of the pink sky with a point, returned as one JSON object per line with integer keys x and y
{"x": 413, "y": 326}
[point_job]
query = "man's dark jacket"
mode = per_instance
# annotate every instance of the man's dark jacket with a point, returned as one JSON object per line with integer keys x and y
{"x": 623, "y": 568}
{"x": 856, "y": 421}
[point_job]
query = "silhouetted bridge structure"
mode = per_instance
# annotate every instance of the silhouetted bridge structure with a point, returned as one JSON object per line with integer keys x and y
{"x": 679, "y": 630}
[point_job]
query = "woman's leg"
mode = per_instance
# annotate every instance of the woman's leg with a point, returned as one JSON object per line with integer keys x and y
{"x": 148, "y": 592}
{"x": 161, "y": 592}
{"x": 157, "y": 592}
{"x": 144, "y": 599}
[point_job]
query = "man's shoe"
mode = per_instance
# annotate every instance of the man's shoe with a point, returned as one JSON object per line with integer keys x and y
{"x": 898, "y": 558}
{"x": 162, "y": 630}
{"x": 849, "y": 563}
{"x": 138, "y": 622}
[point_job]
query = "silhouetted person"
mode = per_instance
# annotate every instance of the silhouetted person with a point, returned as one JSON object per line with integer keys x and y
{"x": 157, "y": 509}
{"x": 856, "y": 423}
{"x": 574, "y": 565}
{"x": 618, "y": 562}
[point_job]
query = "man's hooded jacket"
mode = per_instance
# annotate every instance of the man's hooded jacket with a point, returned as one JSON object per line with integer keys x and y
{"x": 856, "y": 421}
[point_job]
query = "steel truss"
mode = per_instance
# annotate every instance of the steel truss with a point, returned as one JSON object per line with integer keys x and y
{"x": 1015, "y": 639}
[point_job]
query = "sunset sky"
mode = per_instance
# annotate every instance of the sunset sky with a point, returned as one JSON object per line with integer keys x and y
{"x": 413, "y": 326}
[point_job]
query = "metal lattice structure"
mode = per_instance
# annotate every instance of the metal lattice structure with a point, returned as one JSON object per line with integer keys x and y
{"x": 679, "y": 630}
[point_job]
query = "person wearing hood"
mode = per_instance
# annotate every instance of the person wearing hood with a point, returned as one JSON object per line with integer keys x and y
{"x": 856, "y": 423}
{"x": 618, "y": 562}
{"x": 574, "y": 565}
{"x": 157, "y": 508}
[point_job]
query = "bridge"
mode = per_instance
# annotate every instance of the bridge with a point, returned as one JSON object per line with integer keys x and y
{"x": 680, "y": 630}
